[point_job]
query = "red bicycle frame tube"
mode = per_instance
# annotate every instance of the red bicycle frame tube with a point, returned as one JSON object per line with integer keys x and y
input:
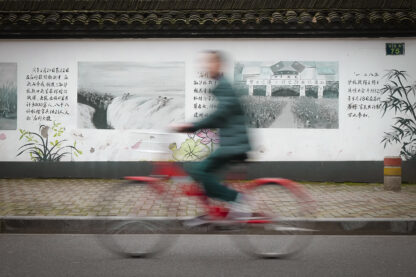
{"x": 166, "y": 170}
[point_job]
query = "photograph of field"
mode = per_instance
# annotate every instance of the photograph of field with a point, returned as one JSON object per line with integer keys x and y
{"x": 289, "y": 94}
{"x": 130, "y": 95}
{"x": 8, "y": 96}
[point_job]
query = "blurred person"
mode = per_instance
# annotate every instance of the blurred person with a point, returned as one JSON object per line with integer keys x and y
{"x": 230, "y": 119}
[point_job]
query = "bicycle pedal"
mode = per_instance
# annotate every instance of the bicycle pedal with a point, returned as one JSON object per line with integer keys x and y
{"x": 196, "y": 222}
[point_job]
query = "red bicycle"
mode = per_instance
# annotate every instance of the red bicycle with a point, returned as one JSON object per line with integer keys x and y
{"x": 156, "y": 212}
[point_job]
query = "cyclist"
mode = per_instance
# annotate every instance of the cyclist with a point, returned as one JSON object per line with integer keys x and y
{"x": 229, "y": 118}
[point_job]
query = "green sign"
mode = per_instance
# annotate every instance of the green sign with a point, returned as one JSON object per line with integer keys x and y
{"x": 394, "y": 49}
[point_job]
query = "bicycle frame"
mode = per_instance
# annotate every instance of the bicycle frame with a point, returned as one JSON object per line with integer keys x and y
{"x": 163, "y": 171}
{"x": 262, "y": 221}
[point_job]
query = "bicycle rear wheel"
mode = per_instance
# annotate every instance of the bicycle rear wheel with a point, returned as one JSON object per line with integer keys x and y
{"x": 281, "y": 225}
{"x": 134, "y": 220}
{"x": 136, "y": 238}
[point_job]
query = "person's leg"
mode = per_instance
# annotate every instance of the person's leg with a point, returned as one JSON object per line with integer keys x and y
{"x": 205, "y": 171}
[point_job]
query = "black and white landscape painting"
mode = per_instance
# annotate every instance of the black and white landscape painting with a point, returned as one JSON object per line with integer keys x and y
{"x": 8, "y": 96}
{"x": 289, "y": 94}
{"x": 130, "y": 95}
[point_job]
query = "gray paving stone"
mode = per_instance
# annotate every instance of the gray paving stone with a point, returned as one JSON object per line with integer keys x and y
{"x": 90, "y": 197}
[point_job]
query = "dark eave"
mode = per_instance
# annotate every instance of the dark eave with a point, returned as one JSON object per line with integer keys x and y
{"x": 206, "y": 18}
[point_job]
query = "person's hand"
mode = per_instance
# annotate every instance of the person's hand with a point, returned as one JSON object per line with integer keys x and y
{"x": 181, "y": 127}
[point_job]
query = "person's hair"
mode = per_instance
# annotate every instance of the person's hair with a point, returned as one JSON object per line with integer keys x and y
{"x": 218, "y": 54}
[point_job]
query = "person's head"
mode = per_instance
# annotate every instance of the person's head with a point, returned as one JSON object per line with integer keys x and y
{"x": 213, "y": 63}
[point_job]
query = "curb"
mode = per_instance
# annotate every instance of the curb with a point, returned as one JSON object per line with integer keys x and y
{"x": 98, "y": 225}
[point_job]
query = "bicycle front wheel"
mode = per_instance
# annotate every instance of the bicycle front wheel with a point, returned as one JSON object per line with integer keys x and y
{"x": 281, "y": 225}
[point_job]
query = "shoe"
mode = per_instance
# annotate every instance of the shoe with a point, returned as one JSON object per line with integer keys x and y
{"x": 240, "y": 209}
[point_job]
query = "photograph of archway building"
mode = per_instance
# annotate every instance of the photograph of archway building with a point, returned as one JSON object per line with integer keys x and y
{"x": 289, "y": 94}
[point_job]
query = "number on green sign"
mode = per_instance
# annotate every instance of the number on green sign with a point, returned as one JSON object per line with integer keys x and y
{"x": 395, "y": 48}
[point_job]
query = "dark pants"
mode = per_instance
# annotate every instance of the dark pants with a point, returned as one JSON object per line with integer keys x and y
{"x": 206, "y": 173}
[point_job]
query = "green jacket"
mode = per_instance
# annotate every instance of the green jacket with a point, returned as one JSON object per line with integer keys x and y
{"x": 229, "y": 118}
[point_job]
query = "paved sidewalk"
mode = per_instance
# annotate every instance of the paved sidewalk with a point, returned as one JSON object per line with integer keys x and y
{"x": 85, "y": 197}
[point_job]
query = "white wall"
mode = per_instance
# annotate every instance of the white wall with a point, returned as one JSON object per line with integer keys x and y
{"x": 355, "y": 139}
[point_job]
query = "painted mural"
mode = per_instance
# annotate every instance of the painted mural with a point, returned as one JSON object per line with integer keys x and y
{"x": 103, "y": 101}
{"x": 130, "y": 95}
{"x": 289, "y": 94}
{"x": 400, "y": 96}
{"x": 47, "y": 144}
{"x": 8, "y": 96}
